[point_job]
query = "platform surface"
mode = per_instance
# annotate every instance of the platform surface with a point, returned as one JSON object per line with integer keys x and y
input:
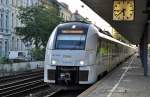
{"x": 125, "y": 81}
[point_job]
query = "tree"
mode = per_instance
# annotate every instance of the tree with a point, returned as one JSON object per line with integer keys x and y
{"x": 38, "y": 23}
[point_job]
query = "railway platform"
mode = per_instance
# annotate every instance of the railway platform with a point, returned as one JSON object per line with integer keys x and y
{"x": 125, "y": 81}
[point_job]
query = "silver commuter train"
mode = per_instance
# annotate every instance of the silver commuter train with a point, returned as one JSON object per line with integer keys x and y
{"x": 78, "y": 53}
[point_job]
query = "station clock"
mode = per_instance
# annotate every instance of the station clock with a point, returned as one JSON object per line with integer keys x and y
{"x": 123, "y": 10}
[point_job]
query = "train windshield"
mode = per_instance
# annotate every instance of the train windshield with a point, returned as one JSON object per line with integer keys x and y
{"x": 73, "y": 42}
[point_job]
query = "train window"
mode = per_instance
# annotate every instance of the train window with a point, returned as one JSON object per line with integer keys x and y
{"x": 115, "y": 50}
{"x": 74, "y": 42}
{"x": 104, "y": 49}
{"x": 98, "y": 47}
{"x": 110, "y": 48}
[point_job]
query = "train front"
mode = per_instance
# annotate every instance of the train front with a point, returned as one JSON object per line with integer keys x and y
{"x": 66, "y": 59}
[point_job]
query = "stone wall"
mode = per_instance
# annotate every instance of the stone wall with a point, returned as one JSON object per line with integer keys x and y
{"x": 8, "y": 69}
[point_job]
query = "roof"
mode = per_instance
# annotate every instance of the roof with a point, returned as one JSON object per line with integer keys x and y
{"x": 132, "y": 31}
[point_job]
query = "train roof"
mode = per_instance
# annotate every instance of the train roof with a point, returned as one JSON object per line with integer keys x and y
{"x": 107, "y": 37}
{"x": 112, "y": 39}
{"x": 77, "y": 23}
{"x": 81, "y": 24}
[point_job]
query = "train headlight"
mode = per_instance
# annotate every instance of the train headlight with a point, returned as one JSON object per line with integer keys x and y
{"x": 53, "y": 62}
{"x": 81, "y": 62}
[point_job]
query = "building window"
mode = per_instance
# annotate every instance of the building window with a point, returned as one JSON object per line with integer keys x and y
{"x": 7, "y": 23}
{"x": 13, "y": 2}
{"x": 7, "y": 1}
{"x": 6, "y": 47}
{"x": 1, "y": 1}
{"x": 1, "y": 22}
{"x": 32, "y": 2}
{"x": 21, "y": 45}
{"x": 27, "y": 3}
{"x": 1, "y": 48}
{"x": 12, "y": 22}
{"x": 16, "y": 3}
{"x": 17, "y": 44}
{"x": 13, "y": 43}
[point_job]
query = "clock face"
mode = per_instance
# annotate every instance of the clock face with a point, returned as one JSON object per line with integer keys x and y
{"x": 123, "y": 10}
{"x": 129, "y": 10}
{"x": 117, "y": 10}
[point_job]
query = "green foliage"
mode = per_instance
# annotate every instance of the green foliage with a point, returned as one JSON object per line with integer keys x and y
{"x": 39, "y": 22}
{"x": 38, "y": 53}
{"x": 4, "y": 60}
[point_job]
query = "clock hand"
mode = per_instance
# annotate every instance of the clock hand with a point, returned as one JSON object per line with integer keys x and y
{"x": 119, "y": 13}
{"x": 123, "y": 10}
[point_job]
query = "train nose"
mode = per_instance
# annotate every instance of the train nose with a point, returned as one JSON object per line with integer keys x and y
{"x": 71, "y": 58}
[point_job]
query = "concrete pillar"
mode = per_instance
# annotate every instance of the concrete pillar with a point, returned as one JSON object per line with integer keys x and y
{"x": 144, "y": 50}
{"x": 144, "y": 41}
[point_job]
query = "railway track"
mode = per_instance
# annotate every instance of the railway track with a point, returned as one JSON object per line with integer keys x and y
{"x": 65, "y": 93}
{"x": 22, "y": 84}
{"x": 30, "y": 84}
{"x": 60, "y": 91}
{"x": 20, "y": 75}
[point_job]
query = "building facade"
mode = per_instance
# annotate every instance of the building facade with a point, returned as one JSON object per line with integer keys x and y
{"x": 64, "y": 12}
{"x": 8, "y": 22}
{"x": 5, "y": 27}
{"x": 63, "y": 8}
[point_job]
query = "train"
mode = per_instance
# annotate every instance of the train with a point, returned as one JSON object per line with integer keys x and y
{"x": 78, "y": 53}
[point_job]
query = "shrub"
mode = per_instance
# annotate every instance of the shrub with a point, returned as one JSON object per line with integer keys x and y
{"x": 38, "y": 53}
{"x": 4, "y": 60}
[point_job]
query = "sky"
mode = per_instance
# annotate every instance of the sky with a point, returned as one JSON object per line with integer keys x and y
{"x": 85, "y": 11}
